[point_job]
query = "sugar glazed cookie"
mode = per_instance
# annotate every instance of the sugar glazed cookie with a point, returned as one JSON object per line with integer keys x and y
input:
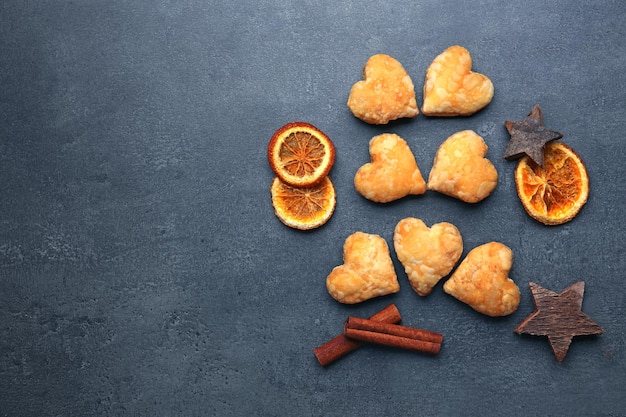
{"x": 392, "y": 172}
{"x": 451, "y": 88}
{"x": 386, "y": 92}
{"x": 461, "y": 170}
{"x": 367, "y": 271}
{"x": 482, "y": 282}
{"x": 427, "y": 254}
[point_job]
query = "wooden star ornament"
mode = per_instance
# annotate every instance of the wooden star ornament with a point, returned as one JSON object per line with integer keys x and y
{"x": 559, "y": 317}
{"x": 529, "y": 137}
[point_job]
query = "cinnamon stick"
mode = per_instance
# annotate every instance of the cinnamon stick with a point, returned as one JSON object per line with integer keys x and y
{"x": 403, "y": 337}
{"x": 394, "y": 329}
{"x": 341, "y": 345}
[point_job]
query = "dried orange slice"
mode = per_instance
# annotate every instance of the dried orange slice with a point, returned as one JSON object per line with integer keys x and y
{"x": 555, "y": 193}
{"x": 303, "y": 208}
{"x": 300, "y": 154}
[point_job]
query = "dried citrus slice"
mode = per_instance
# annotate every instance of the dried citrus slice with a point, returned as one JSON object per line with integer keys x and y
{"x": 303, "y": 208}
{"x": 555, "y": 192}
{"x": 300, "y": 154}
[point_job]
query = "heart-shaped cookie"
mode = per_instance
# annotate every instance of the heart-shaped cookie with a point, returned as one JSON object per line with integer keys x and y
{"x": 393, "y": 172}
{"x": 451, "y": 87}
{"x": 461, "y": 170}
{"x": 367, "y": 271}
{"x": 482, "y": 281}
{"x": 427, "y": 254}
{"x": 386, "y": 92}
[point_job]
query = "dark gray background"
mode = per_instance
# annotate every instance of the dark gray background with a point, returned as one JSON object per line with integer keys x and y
{"x": 143, "y": 272}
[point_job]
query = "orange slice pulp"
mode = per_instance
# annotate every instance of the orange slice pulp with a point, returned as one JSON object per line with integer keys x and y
{"x": 555, "y": 193}
{"x": 303, "y": 208}
{"x": 300, "y": 154}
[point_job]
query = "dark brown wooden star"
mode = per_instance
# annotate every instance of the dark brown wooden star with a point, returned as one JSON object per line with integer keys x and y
{"x": 529, "y": 137}
{"x": 559, "y": 317}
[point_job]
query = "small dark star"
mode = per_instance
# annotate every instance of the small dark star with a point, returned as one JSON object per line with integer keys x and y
{"x": 529, "y": 137}
{"x": 559, "y": 317}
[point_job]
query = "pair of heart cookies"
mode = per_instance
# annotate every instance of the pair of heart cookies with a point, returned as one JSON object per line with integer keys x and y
{"x": 451, "y": 88}
{"x": 428, "y": 255}
{"x": 459, "y": 170}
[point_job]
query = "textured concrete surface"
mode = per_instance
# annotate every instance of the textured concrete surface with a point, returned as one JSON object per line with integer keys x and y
{"x": 143, "y": 272}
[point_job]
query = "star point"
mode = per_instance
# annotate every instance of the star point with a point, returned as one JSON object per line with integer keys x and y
{"x": 559, "y": 317}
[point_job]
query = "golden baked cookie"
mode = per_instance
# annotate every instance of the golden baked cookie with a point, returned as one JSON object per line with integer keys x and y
{"x": 386, "y": 92}
{"x": 427, "y": 254}
{"x": 451, "y": 87}
{"x": 482, "y": 282}
{"x": 392, "y": 173}
{"x": 461, "y": 170}
{"x": 367, "y": 271}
